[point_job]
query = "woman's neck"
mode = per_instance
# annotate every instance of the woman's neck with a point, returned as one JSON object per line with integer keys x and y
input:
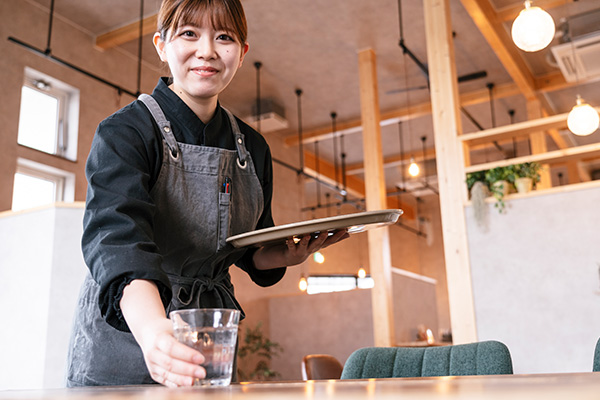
{"x": 203, "y": 108}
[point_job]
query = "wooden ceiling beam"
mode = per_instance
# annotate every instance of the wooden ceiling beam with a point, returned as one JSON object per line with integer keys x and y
{"x": 126, "y": 33}
{"x": 509, "y": 13}
{"x": 404, "y": 114}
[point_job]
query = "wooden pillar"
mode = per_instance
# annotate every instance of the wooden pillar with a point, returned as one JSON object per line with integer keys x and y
{"x": 538, "y": 142}
{"x": 380, "y": 260}
{"x": 450, "y": 158}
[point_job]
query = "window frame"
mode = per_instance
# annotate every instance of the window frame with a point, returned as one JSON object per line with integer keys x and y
{"x": 67, "y": 124}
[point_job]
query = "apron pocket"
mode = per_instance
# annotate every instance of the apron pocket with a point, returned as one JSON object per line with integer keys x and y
{"x": 223, "y": 228}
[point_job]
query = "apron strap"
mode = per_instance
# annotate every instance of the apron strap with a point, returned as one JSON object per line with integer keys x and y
{"x": 239, "y": 138}
{"x": 163, "y": 123}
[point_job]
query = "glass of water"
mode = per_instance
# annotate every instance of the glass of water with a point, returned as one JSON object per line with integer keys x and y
{"x": 213, "y": 332}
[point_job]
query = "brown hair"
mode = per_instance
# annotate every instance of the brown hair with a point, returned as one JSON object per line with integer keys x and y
{"x": 225, "y": 15}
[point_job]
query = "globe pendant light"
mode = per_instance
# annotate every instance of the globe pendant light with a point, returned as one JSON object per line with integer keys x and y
{"x": 533, "y": 29}
{"x": 583, "y": 119}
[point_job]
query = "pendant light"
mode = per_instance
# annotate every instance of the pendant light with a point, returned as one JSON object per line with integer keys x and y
{"x": 533, "y": 29}
{"x": 583, "y": 120}
{"x": 318, "y": 257}
{"x": 303, "y": 284}
{"x": 413, "y": 168}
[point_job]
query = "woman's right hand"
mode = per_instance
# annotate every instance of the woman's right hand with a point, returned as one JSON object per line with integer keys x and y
{"x": 169, "y": 362}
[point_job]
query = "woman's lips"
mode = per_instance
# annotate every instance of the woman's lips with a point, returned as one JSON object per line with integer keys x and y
{"x": 205, "y": 71}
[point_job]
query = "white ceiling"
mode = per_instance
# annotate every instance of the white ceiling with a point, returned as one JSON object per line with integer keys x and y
{"x": 313, "y": 45}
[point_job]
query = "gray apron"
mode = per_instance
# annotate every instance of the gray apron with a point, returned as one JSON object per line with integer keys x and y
{"x": 202, "y": 196}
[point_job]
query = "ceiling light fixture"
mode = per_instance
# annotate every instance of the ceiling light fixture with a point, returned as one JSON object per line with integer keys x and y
{"x": 303, "y": 284}
{"x": 318, "y": 257}
{"x": 362, "y": 274}
{"x": 413, "y": 168}
{"x": 533, "y": 29}
{"x": 583, "y": 120}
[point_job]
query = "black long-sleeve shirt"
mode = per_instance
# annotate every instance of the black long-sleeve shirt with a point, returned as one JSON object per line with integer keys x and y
{"x": 123, "y": 165}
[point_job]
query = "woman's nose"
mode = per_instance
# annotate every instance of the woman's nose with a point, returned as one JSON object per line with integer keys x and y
{"x": 205, "y": 48}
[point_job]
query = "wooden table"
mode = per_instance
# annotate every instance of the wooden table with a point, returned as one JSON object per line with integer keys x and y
{"x": 580, "y": 386}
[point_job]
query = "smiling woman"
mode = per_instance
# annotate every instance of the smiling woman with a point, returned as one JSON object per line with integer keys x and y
{"x": 171, "y": 176}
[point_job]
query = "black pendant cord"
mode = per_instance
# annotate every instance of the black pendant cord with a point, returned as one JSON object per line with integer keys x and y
{"x": 511, "y": 114}
{"x": 141, "y": 33}
{"x": 401, "y": 142}
{"x": 335, "y": 149}
{"x": 344, "y": 191}
{"x": 48, "y": 54}
{"x": 300, "y": 144}
{"x": 257, "y": 65}
{"x": 402, "y": 176}
{"x": 318, "y": 171}
{"x": 48, "y": 42}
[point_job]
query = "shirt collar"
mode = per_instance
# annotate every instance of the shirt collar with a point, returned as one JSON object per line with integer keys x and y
{"x": 193, "y": 130}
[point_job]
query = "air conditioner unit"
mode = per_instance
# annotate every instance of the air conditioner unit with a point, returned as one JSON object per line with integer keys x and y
{"x": 579, "y": 59}
{"x": 272, "y": 116}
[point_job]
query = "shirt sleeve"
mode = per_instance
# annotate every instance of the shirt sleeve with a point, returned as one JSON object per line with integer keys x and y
{"x": 117, "y": 240}
{"x": 272, "y": 276}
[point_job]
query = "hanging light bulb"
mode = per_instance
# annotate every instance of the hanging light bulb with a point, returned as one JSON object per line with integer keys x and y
{"x": 413, "y": 168}
{"x": 319, "y": 257}
{"x": 583, "y": 119}
{"x": 362, "y": 273}
{"x": 533, "y": 29}
{"x": 303, "y": 284}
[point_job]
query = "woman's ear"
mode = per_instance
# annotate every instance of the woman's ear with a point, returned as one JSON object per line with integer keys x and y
{"x": 159, "y": 45}
{"x": 244, "y": 51}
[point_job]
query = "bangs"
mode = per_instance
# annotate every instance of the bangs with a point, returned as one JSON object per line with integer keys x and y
{"x": 220, "y": 14}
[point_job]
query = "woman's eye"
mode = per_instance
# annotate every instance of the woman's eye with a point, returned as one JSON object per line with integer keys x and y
{"x": 187, "y": 33}
{"x": 225, "y": 37}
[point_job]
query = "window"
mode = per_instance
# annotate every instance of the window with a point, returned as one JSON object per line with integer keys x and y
{"x": 36, "y": 185}
{"x": 337, "y": 283}
{"x": 49, "y": 115}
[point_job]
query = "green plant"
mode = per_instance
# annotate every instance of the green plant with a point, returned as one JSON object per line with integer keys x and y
{"x": 473, "y": 177}
{"x": 528, "y": 170}
{"x": 257, "y": 347}
{"x": 496, "y": 179}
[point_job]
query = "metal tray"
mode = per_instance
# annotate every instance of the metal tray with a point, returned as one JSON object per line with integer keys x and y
{"x": 354, "y": 223}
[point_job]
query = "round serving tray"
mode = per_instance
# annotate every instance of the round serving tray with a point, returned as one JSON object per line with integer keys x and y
{"x": 354, "y": 223}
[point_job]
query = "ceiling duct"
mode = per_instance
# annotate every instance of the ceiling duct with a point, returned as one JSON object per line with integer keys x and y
{"x": 272, "y": 116}
{"x": 578, "y": 56}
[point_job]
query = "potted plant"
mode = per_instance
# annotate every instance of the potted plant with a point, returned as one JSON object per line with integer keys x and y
{"x": 527, "y": 175}
{"x": 499, "y": 180}
{"x": 259, "y": 349}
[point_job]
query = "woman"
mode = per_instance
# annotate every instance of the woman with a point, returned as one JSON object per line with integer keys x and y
{"x": 171, "y": 176}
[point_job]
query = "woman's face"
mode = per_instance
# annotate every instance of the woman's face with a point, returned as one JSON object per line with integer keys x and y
{"x": 203, "y": 61}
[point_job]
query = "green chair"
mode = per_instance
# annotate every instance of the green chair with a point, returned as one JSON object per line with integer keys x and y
{"x": 597, "y": 357}
{"x": 482, "y": 358}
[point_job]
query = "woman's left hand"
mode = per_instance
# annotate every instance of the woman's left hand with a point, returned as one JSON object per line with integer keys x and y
{"x": 292, "y": 252}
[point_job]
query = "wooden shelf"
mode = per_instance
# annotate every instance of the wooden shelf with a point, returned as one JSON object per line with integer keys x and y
{"x": 514, "y": 130}
{"x": 589, "y": 151}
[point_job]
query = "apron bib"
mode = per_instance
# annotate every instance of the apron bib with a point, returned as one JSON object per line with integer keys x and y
{"x": 202, "y": 195}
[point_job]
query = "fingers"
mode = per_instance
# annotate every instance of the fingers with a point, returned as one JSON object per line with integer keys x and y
{"x": 336, "y": 237}
{"x": 172, "y": 363}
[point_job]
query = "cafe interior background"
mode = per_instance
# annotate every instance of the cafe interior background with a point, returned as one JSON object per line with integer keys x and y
{"x": 527, "y": 275}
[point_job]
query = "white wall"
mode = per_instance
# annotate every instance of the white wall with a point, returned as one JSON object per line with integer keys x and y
{"x": 536, "y": 277}
{"x": 41, "y": 270}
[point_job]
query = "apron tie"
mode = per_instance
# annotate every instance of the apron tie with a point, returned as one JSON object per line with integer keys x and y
{"x": 187, "y": 293}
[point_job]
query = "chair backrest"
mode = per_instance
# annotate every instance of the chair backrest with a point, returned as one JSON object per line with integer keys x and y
{"x": 321, "y": 366}
{"x": 482, "y": 358}
{"x": 596, "y": 367}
